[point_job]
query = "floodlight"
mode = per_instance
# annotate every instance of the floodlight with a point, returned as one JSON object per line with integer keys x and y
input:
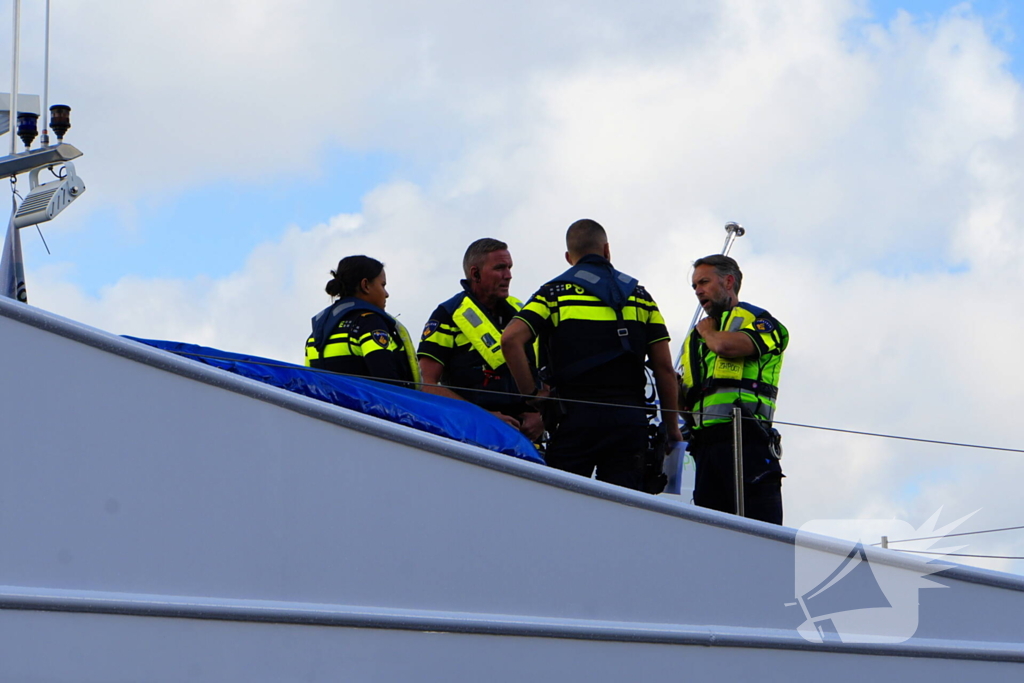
{"x": 44, "y": 201}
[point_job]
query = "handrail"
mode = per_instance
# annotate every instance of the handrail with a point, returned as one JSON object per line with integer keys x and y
{"x": 319, "y": 614}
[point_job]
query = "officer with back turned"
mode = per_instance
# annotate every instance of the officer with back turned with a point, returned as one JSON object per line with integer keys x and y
{"x": 460, "y": 352}
{"x": 733, "y": 359}
{"x": 598, "y": 326}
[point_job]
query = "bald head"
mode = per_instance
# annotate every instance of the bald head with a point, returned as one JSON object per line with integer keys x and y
{"x": 585, "y": 237}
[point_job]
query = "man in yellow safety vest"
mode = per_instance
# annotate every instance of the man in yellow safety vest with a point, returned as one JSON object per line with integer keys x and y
{"x": 733, "y": 359}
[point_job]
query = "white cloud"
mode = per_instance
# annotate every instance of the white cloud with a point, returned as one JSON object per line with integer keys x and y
{"x": 865, "y": 168}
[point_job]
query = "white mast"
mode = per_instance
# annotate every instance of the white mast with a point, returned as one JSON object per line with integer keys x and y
{"x": 16, "y": 42}
{"x": 44, "y": 139}
{"x": 732, "y": 231}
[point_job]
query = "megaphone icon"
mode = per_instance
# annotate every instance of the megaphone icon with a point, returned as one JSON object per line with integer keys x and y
{"x": 851, "y": 586}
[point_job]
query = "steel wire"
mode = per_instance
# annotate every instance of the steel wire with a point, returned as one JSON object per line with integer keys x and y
{"x": 647, "y": 408}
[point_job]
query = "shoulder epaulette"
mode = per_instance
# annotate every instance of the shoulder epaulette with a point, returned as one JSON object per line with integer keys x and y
{"x": 756, "y": 310}
{"x": 451, "y": 304}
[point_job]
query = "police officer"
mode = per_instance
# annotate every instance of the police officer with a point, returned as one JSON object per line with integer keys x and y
{"x": 460, "y": 350}
{"x": 598, "y": 326}
{"x": 354, "y": 335}
{"x": 733, "y": 358}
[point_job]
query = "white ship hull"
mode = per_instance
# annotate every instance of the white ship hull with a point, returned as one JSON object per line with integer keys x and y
{"x": 165, "y": 521}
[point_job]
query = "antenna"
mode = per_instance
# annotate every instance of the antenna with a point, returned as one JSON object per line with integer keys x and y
{"x": 44, "y": 139}
{"x": 16, "y": 45}
{"x": 732, "y": 231}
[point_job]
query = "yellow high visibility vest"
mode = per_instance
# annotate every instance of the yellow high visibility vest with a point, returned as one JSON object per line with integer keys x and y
{"x": 410, "y": 354}
{"x": 750, "y": 381}
{"x": 483, "y": 335}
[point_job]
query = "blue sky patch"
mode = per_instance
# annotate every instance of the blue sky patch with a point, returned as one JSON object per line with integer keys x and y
{"x": 1004, "y": 21}
{"x": 209, "y": 230}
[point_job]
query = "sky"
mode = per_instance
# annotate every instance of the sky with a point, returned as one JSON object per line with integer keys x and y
{"x": 235, "y": 150}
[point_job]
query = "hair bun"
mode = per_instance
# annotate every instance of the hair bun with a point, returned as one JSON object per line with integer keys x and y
{"x": 333, "y": 287}
{"x": 351, "y": 271}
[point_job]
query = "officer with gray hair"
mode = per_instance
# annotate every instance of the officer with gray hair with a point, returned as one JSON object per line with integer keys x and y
{"x": 460, "y": 351}
{"x": 733, "y": 359}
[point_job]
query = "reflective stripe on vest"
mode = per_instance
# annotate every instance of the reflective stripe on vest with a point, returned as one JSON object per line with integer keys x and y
{"x": 596, "y": 276}
{"x": 483, "y": 335}
{"x": 718, "y": 405}
{"x": 410, "y": 354}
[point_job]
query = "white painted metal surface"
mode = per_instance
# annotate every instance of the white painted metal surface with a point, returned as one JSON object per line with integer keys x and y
{"x": 164, "y": 521}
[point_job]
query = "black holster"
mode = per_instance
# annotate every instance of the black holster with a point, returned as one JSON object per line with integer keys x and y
{"x": 654, "y": 477}
{"x": 552, "y": 411}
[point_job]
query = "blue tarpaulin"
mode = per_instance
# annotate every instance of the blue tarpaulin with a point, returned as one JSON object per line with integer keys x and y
{"x": 458, "y": 420}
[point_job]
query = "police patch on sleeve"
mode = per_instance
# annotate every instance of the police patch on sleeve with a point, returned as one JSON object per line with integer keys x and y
{"x": 429, "y": 329}
{"x": 381, "y": 337}
{"x": 764, "y": 325}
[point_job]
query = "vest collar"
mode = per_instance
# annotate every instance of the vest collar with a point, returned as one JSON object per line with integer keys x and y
{"x": 596, "y": 259}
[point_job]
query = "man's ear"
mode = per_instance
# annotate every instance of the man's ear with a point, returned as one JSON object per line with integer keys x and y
{"x": 568, "y": 259}
{"x": 607, "y": 251}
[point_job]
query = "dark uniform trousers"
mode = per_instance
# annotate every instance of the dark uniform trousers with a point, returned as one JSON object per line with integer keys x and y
{"x": 611, "y": 439}
{"x": 715, "y": 486}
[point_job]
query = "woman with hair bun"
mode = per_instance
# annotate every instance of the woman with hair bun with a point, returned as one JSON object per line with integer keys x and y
{"x": 354, "y": 335}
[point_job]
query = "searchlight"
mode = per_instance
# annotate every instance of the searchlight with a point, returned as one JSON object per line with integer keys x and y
{"x": 44, "y": 201}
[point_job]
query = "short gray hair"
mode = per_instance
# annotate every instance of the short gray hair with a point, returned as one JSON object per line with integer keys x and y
{"x": 723, "y": 265}
{"x": 478, "y": 251}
